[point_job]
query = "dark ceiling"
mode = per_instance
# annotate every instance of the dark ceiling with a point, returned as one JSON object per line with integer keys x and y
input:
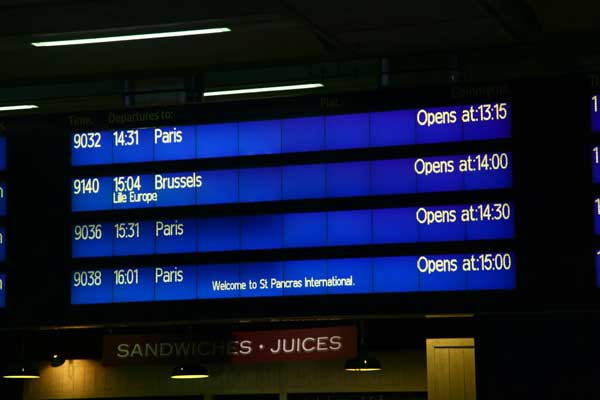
{"x": 283, "y": 33}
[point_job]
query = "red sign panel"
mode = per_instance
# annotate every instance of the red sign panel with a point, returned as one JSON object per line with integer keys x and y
{"x": 238, "y": 347}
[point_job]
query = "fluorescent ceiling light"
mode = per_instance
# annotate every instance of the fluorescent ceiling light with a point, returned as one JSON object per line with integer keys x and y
{"x": 124, "y": 38}
{"x": 263, "y": 89}
{"x": 18, "y": 108}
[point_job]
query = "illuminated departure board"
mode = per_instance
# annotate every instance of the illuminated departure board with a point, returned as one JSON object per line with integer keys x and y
{"x": 285, "y": 193}
{"x": 595, "y": 128}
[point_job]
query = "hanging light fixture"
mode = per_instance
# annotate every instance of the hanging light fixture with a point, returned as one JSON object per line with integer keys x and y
{"x": 363, "y": 362}
{"x": 21, "y": 371}
{"x": 57, "y": 357}
{"x": 24, "y": 369}
{"x": 56, "y": 360}
{"x": 190, "y": 372}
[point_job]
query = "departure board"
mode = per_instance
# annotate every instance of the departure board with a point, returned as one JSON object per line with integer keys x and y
{"x": 268, "y": 207}
{"x": 595, "y": 129}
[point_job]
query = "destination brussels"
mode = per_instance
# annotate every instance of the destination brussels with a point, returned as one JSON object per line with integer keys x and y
{"x": 144, "y": 190}
{"x": 131, "y": 183}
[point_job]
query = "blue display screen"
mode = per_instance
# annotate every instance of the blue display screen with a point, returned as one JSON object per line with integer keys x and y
{"x": 2, "y": 290}
{"x": 414, "y": 175}
{"x": 595, "y": 157}
{"x": 596, "y": 164}
{"x": 296, "y": 182}
{"x": 424, "y": 273}
{"x": 597, "y": 215}
{"x": 2, "y": 199}
{"x": 2, "y": 244}
{"x": 595, "y": 113}
{"x": 291, "y": 135}
{"x": 291, "y": 230}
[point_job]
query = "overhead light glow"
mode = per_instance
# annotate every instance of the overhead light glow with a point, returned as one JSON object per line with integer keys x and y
{"x": 190, "y": 372}
{"x": 125, "y": 38}
{"x": 22, "y": 371}
{"x": 190, "y": 376}
{"x": 263, "y": 89}
{"x": 18, "y": 108}
{"x": 21, "y": 376}
{"x": 362, "y": 363}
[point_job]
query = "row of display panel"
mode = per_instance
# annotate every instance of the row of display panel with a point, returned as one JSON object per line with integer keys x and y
{"x": 291, "y": 135}
{"x": 477, "y": 171}
{"x": 467, "y": 222}
{"x": 402, "y": 274}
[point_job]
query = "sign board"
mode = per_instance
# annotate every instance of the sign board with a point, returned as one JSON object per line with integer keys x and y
{"x": 329, "y": 343}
